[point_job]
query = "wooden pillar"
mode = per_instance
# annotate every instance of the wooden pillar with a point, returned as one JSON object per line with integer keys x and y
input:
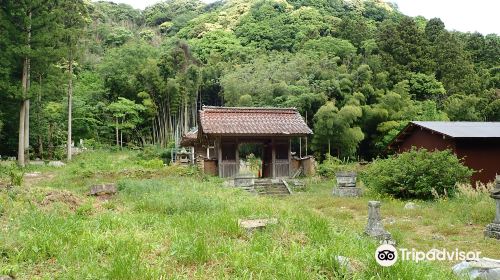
{"x": 219, "y": 156}
{"x": 237, "y": 156}
{"x": 289, "y": 156}
{"x": 300, "y": 147}
{"x": 273, "y": 157}
{"x": 306, "y": 145}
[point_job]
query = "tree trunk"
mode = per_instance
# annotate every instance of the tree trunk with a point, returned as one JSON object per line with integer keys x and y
{"x": 186, "y": 118}
{"x": 38, "y": 113}
{"x": 22, "y": 143}
{"x": 121, "y": 135}
{"x": 20, "y": 147}
{"x": 116, "y": 130}
{"x": 27, "y": 130}
{"x": 27, "y": 101}
{"x": 70, "y": 104}
{"x": 50, "y": 145}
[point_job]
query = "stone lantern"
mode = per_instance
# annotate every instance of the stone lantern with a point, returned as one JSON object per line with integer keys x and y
{"x": 493, "y": 230}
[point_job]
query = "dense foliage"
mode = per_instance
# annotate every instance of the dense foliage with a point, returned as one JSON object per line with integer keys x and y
{"x": 417, "y": 174}
{"x": 358, "y": 71}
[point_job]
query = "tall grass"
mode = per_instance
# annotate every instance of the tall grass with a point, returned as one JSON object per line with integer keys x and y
{"x": 172, "y": 227}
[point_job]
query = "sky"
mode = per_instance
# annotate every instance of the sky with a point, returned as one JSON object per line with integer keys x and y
{"x": 462, "y": 15}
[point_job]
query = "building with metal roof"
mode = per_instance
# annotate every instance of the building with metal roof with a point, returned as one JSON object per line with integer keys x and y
{"x": 477, "y": 143}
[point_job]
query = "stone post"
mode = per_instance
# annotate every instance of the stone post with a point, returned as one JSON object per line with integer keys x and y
{"x": 493, "y": 230}
{"x": 375, "y": 228}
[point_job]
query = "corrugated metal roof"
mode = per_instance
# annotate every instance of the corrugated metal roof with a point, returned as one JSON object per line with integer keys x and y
{"x": 464, "y": 129}
{"x": 252, "y": 121}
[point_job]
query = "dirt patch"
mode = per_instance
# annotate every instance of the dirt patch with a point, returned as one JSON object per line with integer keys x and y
{"x": 66, "y": 197}
{"x": 4, "y": 185}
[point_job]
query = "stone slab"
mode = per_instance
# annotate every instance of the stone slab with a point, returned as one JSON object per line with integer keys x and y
{"x": 56, "y": 163}
{"x": 103, "y": 189}
{"x": 347, "y": 192}
{"x": 253, "y": 224}
{"x": 346, "y": 179}
{"x": 492, "y": 230}
{"x": 33, "y": 174}
{"x": 244, "y": 181}
{"x": 483, "y": 268}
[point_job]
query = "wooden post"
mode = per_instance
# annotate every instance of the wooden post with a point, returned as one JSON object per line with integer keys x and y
{"x": 219, "y": 156}
{"x": 306, "y": 145}
{"x": 289, "y": 156}
{"x": 237, "y": 157}
{"x": 273, "y": 157}
{"x": 300, "y": 147}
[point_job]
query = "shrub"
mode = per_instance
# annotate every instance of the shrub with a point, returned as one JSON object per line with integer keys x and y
{"x": 417, "y": 173}
{"x": 14, "y": 173}
{"x": 94, "y": 144}
{"x": 329, "y": 166}
{"x": 332, "y": 165}
{"x": 155, "y": 152}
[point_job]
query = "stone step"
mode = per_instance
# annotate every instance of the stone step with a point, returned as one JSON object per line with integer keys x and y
{"x": 274, "y": 187}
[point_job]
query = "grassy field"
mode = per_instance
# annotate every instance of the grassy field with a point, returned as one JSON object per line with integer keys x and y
{"x": 171, "y": 223}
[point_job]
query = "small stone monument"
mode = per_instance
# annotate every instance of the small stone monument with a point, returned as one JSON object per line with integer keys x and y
{"x": 346, "y": 185}
{"x": 493, "y": 230}
{"x": 375, "y": 228}
{"x": 103, "y": 190}
{"x": 256, "y": 224}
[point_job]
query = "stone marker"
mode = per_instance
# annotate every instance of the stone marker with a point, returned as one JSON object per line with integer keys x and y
{"x": 483, "y": 268}
{"x": 411, "y": 206}
{"x": 438, "y": 237}
{"x": 103, "y": 189}
{"x": 252, "y": 224}
{"x": 32, "y": 174}
{"x": 56, "y": 163}
{"x": 344, "y": 263}
{"x": 346, "y": 185}
{"x": 36, "y": 162}
{"x": 493, "y": 230}
{"x": 6, "y": 277}
{"x": 375, "y": 228}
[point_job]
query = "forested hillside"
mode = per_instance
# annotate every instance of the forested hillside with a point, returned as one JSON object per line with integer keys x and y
{"x": 358, "y": 71}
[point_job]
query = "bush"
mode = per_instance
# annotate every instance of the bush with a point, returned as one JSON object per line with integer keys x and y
{"x": 14, "y": 173}
{"x": 417, "y": 174}
{"x": 93, "y": 144}
{"x": 150, "y": 152}
{"x": 329, "y": 166}
{"x": 332, "y": 165}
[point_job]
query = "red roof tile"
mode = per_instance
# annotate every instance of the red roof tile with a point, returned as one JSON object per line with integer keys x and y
{"x": 252, "y": 121}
